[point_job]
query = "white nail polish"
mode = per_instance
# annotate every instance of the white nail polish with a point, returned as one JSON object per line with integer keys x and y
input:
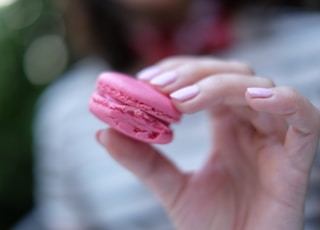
{"x": 185, "y": 93}
{"x": 164, "y": 79}
{"x": 148, "y": 73}
{"x": 260, "y": 92}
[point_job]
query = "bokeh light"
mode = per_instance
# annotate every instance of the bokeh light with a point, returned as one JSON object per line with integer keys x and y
{"x": 4, "y": 3}
{"x": 45, "y": 59}
{"x": 23, "y": 14}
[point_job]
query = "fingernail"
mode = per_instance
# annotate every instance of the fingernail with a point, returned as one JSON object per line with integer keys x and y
{"x": 101, "y": 136}
{"x": 260, "y": 92}
{"x": 148, "y": 73}
{"x": 185, "y": 93}
{"x": 164, "y": 78}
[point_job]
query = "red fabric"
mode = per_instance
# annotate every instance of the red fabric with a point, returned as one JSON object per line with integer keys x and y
{"x": 205, "y": 32}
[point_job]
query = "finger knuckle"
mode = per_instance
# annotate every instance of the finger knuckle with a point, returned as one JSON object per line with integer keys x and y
{"x": 174, "y": 59}
{"x": 266, "y": 81}
{"x": 167, "y": 61}
{"x": 243, "y": 67}
{"x": 292, "y": 94}
{"x": 291, "y": 100}
{"x": 188, "y": 68}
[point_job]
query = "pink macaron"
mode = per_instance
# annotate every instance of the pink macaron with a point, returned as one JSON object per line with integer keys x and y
{"x": 134, "y": 108}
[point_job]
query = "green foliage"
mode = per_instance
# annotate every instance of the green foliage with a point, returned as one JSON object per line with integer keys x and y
{"x": 20, "y": 24}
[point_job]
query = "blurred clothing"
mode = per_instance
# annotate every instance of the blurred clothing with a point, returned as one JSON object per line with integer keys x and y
{"x": 207, "y": 29}
{"x": 80, "y": 187}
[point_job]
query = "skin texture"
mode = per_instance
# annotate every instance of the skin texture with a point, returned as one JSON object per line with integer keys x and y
{"x": 133, "y": 108}
{"x": 257, "y": 172}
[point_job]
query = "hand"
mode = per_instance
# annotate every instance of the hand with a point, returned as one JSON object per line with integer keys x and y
{"x": 264, "y": 141}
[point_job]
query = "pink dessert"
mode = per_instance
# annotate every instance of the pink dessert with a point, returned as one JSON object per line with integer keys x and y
{"x": 133, "y": 108}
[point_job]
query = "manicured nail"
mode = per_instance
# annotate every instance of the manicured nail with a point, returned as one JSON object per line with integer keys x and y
{"x": 260, "y": 92}
{"x": 185, "y": 93}
{"x": 164, "y": 78}
{"x": 101, "y": 136}
{"x": 148, "y": 73}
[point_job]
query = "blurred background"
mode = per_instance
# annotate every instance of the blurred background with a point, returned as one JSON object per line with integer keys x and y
{"x": 33, "y": 53}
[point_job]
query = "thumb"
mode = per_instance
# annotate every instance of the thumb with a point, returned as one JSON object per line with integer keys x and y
{"x": 148, "y": 164}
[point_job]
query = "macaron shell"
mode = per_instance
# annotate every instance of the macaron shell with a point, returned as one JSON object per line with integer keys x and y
{"x": 137, "y": 94}
{"x": 130, "y": 121}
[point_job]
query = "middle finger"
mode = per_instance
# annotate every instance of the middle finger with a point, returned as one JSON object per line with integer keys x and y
{"x": 172, "y": 77}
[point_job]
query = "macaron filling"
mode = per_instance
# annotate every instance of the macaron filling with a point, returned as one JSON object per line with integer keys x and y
{"x": 104, "y": 98}
{"x": 106, "y": 91}
{"x": 124, "y": 118}
{"x": 119, "y": 98}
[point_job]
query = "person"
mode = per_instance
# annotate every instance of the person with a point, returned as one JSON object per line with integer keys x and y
{"x": 78, "y": 186}
{"x": 265, "y": 139}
